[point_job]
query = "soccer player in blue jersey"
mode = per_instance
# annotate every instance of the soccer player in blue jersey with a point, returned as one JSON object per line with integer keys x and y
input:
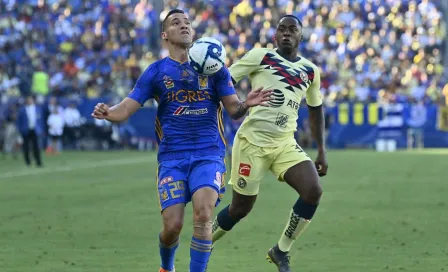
{"x": 189, "y": 131}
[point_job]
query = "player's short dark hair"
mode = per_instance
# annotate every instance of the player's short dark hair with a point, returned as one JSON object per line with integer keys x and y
{"x": 173, "y": 11}
{"x": 291, "y": 16}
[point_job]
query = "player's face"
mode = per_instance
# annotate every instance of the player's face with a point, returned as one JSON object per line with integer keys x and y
{"x": 178, "y": 30}
{"x": 288, "y": 34}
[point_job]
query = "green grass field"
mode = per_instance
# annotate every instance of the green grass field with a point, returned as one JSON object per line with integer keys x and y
{"x": 99, "y": 212}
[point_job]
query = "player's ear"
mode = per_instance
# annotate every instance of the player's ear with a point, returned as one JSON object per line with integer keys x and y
{"x": 164, "y": 36}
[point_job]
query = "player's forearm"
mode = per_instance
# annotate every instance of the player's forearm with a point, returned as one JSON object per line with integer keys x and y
{"x": 118, "y": 113}
{"x": 238, "y": 110}
{"x": 317, "y": 125}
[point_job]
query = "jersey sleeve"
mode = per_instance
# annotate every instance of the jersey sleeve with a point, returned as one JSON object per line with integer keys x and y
{"x": 246, "y": 65}
{"x": 143, "y": 89}
{"x": 313, "y": 95}
{"x": 223, "y": 83}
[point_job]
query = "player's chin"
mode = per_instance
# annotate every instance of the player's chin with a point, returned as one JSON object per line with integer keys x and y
{"x": 287, "y": 45}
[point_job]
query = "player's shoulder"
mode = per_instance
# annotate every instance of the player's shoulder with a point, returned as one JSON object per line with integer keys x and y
{"x": 154, "y": 68}
{"x": 306, "y": 62}
{"x": 256, "y": 52}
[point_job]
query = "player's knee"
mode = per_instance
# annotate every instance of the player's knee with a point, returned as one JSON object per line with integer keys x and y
{"x": 203, "y": 213}
{"x": 173, "y": 227}
{"x": 313, "y": 194}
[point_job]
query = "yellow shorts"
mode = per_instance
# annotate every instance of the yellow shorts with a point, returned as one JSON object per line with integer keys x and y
{"x": 250, "y": 163}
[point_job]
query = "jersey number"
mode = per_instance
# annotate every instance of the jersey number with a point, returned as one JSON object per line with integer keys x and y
{"x": 176, "y": 186}
{"x": 298, "y": 148}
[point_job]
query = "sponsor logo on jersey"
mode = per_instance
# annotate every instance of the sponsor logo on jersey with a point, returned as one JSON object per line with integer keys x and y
{"x": 169, "y": 83}
{"x": 244, "y": 169}
{"x": 185, "y": 110}
{"x": 278, "y": 98}
{"x": 230, "y": 84}
{"x": 187, "y": 96}
{"x": 282, "y": 120}
{"x": 293, "y": 104}
{"x": 166, "y": 180}
{"x": 203, "y": 82}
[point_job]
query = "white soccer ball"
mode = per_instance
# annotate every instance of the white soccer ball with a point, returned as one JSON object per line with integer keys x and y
{"x": 207, "y": 56}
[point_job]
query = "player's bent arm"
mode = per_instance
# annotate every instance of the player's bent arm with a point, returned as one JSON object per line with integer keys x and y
{"x": 317, "y": 125}
{"x": 234, "y": 106}
{"x": 316, "y": 110}
{"x": 123, "y": 110}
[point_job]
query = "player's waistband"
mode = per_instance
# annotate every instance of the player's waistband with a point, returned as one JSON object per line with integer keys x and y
{"x": 177, "y": 155}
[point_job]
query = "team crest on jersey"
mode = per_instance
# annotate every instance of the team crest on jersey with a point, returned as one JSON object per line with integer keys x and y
{"x": 163, "y": 194}
{"x": 304, "y": 76}
{"x": 169, "y": 83}
{"x": 203, "y": 82}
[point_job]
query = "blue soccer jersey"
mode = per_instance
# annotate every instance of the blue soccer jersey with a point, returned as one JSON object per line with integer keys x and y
{"x": 189, "y": 127}
{"x": 189, "y": 117}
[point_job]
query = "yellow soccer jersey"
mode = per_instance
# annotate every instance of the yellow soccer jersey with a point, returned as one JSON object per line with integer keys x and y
{"x": 290, "y": 81}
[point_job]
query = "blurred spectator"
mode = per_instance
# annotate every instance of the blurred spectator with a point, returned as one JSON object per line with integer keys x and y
{"x": 11, "y": 138}
{"x": 72, "y": 129}
{"x": 416, "y": 123}
{"x": 30, "y": 125}
{"x": 55, "y": 124}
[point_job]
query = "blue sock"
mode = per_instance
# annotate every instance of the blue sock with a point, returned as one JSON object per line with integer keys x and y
{"x": 167, "y": 254}
{"x": 199, "y": 254}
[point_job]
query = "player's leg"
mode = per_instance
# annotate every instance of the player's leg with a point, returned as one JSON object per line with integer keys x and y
{"x": 173, "y": 219}
{"x": 249, "y": 166}
{"x": 172, "y": 198}
{"x": 206, "y": 185}
{"x": 294, "y": 166}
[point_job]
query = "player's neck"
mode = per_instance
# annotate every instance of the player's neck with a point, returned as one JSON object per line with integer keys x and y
{"x": 178, "y": 54}
{"x": 288, "y": 55}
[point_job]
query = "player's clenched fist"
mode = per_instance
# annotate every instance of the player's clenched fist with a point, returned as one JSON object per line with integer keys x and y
{"x": 101, "y": 111}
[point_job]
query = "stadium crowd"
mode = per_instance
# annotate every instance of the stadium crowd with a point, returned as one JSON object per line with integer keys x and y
{"x": 365, "y": 48}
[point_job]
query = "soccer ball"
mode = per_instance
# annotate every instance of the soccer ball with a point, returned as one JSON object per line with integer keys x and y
{"x": 207, "y": 56}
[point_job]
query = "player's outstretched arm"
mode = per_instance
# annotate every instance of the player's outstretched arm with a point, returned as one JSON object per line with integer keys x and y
{"x": 117, "y": 113}
{"x": 237, "y": 108}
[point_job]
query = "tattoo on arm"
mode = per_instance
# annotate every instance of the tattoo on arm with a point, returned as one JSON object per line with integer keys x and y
{"x": 240, "y": 109}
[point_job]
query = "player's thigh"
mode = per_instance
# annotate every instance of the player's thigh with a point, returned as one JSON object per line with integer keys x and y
{"x": 250, "y": 164}
{"x": 286, "y": 156}
{"x": 241, "y": 205}
{"x": 294, "y": 166}
{"x": 171, "y": 183}
{"x": 207, "y": 172}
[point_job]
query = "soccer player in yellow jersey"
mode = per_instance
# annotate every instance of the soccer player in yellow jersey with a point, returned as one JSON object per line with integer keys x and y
{"x": 265, "y": 141}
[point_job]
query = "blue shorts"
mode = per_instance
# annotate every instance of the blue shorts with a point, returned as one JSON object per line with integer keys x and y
{"x": 178, "y": 180}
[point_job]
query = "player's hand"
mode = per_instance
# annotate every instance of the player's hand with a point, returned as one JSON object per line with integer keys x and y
{"x": 101, "y": 111}
{"x": 321, "y": 164}
{"x": 258, "y": 97}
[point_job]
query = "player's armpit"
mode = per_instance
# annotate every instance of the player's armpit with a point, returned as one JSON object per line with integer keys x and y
{"x": 123, "y": 110}
{"x": 234, "y": 106}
